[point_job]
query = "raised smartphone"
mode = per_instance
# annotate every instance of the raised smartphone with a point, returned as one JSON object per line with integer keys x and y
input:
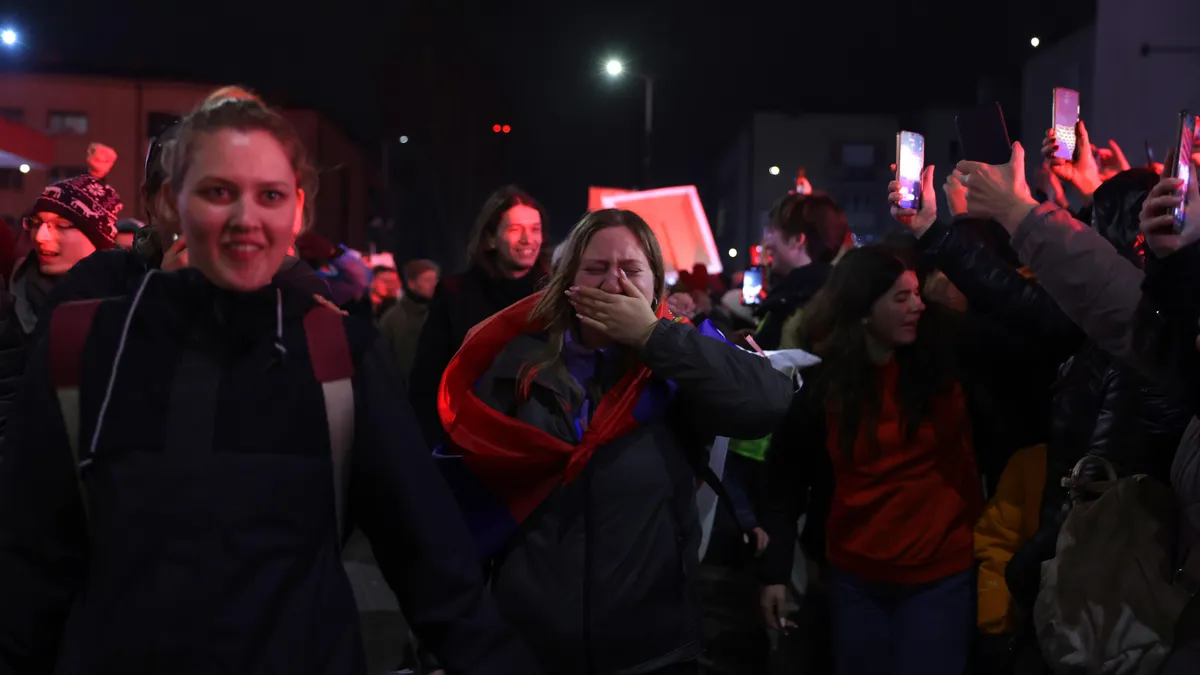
{"x": 752, "y": 286}
{"x": 983, "y": 135}
{"x": 1182, "y": 166}
{"x": 1065, "y": 117}
{"x": 910, "y": 160}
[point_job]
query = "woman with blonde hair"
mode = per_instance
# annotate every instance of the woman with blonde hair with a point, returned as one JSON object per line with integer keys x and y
{"x": 576, "y": 419}
{"x": 186, "y": 461}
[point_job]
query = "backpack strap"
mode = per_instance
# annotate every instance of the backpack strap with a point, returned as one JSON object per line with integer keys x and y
{"x": 329, "y": 352}
{"x": 708, "y": 477}
{"x": 70, "y": 324}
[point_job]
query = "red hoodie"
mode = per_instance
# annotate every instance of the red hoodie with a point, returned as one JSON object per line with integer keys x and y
{"x": 904, "y": 510}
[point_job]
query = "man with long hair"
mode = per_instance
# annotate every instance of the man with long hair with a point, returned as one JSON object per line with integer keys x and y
{"x": 505, "y": 266}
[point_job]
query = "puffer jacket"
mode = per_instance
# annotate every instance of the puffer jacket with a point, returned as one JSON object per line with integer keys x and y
{"x": 1101, "y": 406}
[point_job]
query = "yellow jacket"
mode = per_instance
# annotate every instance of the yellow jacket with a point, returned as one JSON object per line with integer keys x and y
{"x": 1010, "y": 519}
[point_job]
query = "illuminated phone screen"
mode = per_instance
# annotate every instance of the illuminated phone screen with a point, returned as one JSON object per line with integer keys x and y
{"x": 1066, "y": 115}
{"x": 1183, "y": 165}
{"x": 752, "y": 286}
{"x": 910, "y": 159}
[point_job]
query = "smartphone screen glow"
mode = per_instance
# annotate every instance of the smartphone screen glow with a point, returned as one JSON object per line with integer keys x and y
{"x": 910, "y": 159}
{"x": 1183, "y": 165}
{"x": 1066, "y": 115}
{"x": 752, "y": 286}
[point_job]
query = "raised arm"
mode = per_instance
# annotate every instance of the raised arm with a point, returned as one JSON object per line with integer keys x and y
{"x": 727, "y": 391}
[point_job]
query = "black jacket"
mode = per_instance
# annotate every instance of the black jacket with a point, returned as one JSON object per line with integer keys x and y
{"x": 460, "y": 302}
{"x": 598, "y": 579}
{"x": 1099, "y": 406}
{"x": 104, "y": 274}
{"x": 21, "y": 302}
{"x": 221, "y": 554}
{"x": 786, "y": 298}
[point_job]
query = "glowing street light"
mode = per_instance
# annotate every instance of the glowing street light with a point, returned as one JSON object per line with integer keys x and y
{"x": 616, "y": 69}
{"x": 1033, "y": 41}
{"x": 8, "y": 36}
{"x": 733, "y": 253}
{"x": 404, "y": 139}
{"x": 774, "y": 171}
{"x": 24, "y": 168}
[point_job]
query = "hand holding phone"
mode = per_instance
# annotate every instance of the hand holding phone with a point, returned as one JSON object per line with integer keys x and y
{"x": 1157, "y": 220}
{"x": 918, "y": 221}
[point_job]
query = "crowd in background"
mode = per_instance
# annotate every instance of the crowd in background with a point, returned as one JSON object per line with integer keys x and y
{"x": 228, "y": 444}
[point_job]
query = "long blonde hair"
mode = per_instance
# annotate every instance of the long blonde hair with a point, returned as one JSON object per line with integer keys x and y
{"x": 554, "y": 312}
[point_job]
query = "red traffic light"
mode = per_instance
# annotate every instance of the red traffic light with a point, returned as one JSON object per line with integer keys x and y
{"x": 496, "y": 128}
{"x": 507, "y": 128}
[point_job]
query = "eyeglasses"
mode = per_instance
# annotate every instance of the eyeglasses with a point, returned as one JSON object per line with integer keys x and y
{"x": 32, "y": 224}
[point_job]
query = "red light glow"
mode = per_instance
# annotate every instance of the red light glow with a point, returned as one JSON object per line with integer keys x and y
{"x": 507, "y": 128}
{"x": 496, "y": 128}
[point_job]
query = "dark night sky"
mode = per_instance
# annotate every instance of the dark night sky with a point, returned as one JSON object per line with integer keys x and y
{"x": 443, "y": 73}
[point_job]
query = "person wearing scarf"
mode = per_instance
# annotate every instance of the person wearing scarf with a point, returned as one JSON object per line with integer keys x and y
{"x": 575, "y": 419}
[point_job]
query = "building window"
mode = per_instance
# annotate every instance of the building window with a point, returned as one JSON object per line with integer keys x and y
{"x": 67, "y": 123}
{"x": 11, "y": 179}
{"x": 13, "y": 115}
{"x": 158, "y": 122}
{"x": 64, "y": 172}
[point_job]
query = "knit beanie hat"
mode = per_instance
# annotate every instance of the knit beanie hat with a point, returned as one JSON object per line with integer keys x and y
{"x": 90, "y": 204}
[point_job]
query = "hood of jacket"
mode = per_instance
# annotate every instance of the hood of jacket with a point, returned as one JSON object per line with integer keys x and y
{"x": 1116, "y": 206}
{"x": 30, "y": 290}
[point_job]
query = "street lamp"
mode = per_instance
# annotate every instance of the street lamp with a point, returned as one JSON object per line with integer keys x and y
{"x": 615, "y": 68}
{"x": 8, "y": 36}
{"x": 24, "y": 168}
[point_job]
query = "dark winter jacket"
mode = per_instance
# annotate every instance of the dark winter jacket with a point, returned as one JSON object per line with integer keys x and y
{"x": 785, "y": 299}
{"x": 104, "y": 274}
{"x": 599, "y": 578}
{"x": 210, "y": 543}
{"x": 1100, "y": 406}
{"x": 23, "y": 299}
{"x": 460, "y": 302}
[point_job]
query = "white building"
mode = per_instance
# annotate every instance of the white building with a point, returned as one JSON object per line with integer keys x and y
{"x": 1135, "y": 68}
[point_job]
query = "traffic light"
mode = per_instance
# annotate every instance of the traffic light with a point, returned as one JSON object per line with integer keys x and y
{"x": 496, "y": 128}
{"x": 501, "y": 128}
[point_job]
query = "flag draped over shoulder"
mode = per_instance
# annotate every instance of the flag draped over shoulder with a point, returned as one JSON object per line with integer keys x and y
{"x": 501, "y": 468}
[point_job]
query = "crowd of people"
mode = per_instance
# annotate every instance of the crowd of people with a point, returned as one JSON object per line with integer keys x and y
{"x": 228, "y": 444}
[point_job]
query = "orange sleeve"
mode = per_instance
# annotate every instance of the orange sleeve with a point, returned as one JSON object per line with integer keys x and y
{"x": 998, "y": 534}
